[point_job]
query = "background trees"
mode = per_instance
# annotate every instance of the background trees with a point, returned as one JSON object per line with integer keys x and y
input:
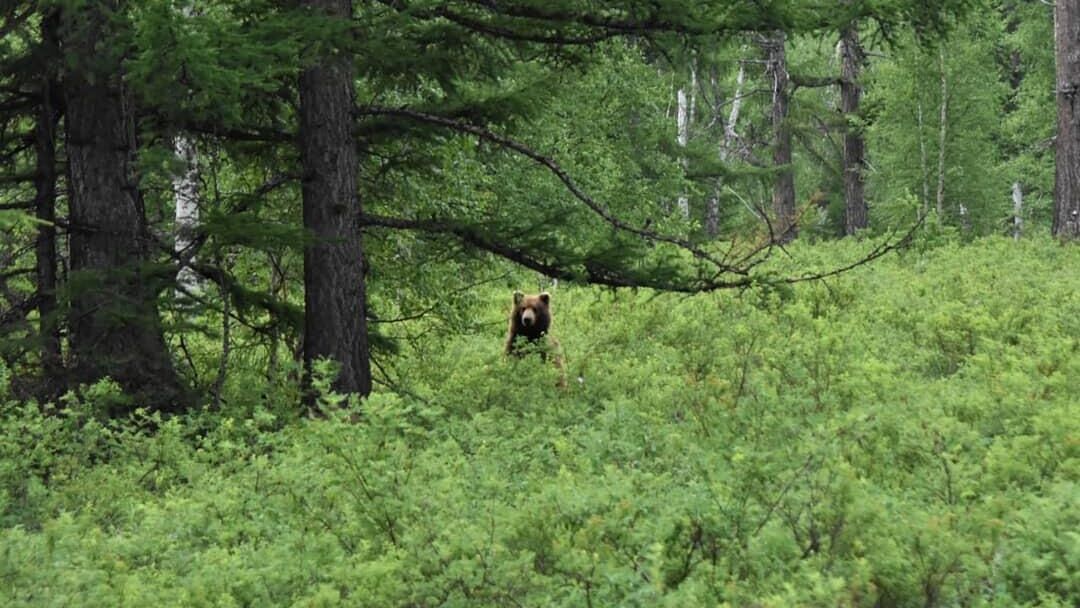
{"x": 542, "y": 134}
{"x": 374, "y": 179}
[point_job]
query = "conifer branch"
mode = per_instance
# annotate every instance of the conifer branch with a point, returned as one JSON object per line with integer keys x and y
{"x": 588, "y": 271}
{"x": 14, "y": 21}
{"x": 617, "y": 25}
{"x": 17, "y": 178}
{"x": 254, "y": 134}
{"x": 563, "y": 176}
{"x": 488, "y": 29}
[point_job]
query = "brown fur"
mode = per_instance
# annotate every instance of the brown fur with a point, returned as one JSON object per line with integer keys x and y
{"x": 530, "y": 320}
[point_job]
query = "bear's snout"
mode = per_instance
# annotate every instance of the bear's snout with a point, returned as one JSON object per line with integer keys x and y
{"x": 528, "y": 317}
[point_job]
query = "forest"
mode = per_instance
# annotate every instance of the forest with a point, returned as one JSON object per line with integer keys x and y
{"x": 811, "y": 272}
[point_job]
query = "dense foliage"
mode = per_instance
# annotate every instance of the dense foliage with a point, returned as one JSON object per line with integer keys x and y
{"x": 903, "y": 435}
{"x": 543, "y": 133}
{"x": 257, "y": 257}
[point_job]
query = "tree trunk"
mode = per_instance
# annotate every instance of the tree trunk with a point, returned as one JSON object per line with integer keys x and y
{"x": 52, "y": 363}
{"x": 1067, "y": 147}
{"x": 1018, "y": 210}
{"x": 277, "y": 283}
{"x": 943, "y": 130}
{"x": 712, "y": 212}
{"x": 855, "y": 211}
{"x": 186, "y": 199}
{"x": 783, "y": 195}
{"x": 186, "y": 203}
{"x": 733, "y": 118}
{"x": 115, "y": 330}
{"x": 684, "y": 115}
{"x": 924, "y": 168}
{"x": 683, "y": 136}
{"x": 335, "y": 325}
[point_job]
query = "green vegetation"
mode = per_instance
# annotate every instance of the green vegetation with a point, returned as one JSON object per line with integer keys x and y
{"x": 820, "y": 346}
{"x": 907, "y": 434}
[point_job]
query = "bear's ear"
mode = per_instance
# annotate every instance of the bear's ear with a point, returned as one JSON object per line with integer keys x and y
{"x": 545, "y": 298}
{"x": 518, "y": 297}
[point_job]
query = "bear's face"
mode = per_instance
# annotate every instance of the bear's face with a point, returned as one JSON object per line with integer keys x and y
{"x": 531, "y": 316}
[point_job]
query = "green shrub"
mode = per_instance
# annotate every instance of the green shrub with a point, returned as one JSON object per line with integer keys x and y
{"x": 903, "y": 435}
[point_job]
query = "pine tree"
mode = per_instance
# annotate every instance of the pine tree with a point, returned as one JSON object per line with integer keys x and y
{"x": 115, "y": 330}
{"x": 1067, "y": 175}
{"x": 851, "y": 59}
{"x": 783, "y": 191}
{"x": 45, "y": 184}
{"x": 335, "y": 322}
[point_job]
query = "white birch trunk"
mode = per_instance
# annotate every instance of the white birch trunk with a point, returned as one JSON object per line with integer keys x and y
{"x": 1018, "y": 210}
{"x": 186, "y": 199}
{"x": 712, "y": 212}
{"x": 942, "y": 132}
{"x": 733, "y": 117}
{"x": 682, "y": 119}
{"x": 923, "y": 168}
{"x": 186, "y": 202}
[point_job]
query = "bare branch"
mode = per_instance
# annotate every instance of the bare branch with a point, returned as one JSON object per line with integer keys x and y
{"x": 881, "y": 249}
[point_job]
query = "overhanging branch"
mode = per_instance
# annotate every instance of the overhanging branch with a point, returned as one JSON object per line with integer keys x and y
{"x": 483, "y": 133}
{"x": 588, "y": 271}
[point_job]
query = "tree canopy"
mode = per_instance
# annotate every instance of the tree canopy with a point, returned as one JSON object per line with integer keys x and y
{"x": 537, "y": 133}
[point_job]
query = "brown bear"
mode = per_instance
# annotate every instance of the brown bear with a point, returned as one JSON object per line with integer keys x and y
{"x": 530, "y": 319}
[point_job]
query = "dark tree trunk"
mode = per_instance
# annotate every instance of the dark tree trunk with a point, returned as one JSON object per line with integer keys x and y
{"x": 783, "y": 195}
{"x": 115, "y": 330}
{"x": 52, "y": 363}
{"x": 334, "y": 323}
{"x": 1067, "y": 148}
{"x": 855, "y": 211}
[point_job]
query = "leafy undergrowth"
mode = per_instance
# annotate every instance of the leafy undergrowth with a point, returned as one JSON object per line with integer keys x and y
{"x": 905, "y": 435}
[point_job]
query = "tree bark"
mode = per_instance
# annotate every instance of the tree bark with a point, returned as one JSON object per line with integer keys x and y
{"x": 1018, "y": 210}
{"x": 855, "y": 210}
{"x": 683, "y": 117}
{"x": 52, "y": 363}
{"x": 1067, "y": 146}
{"x": 115, "y": 330}
{"x": 943, "y": 130}
{"x": 712, "y": 211}
{"x": 924, "y": 168}
{"x": 682, "y": 122}
{"x": 335, "y": 325}
{"x": 783, "y": 195}
{"x": 186, "y": 202}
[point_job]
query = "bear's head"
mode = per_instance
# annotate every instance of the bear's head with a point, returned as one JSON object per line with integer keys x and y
{"x": 531, "y": 316}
